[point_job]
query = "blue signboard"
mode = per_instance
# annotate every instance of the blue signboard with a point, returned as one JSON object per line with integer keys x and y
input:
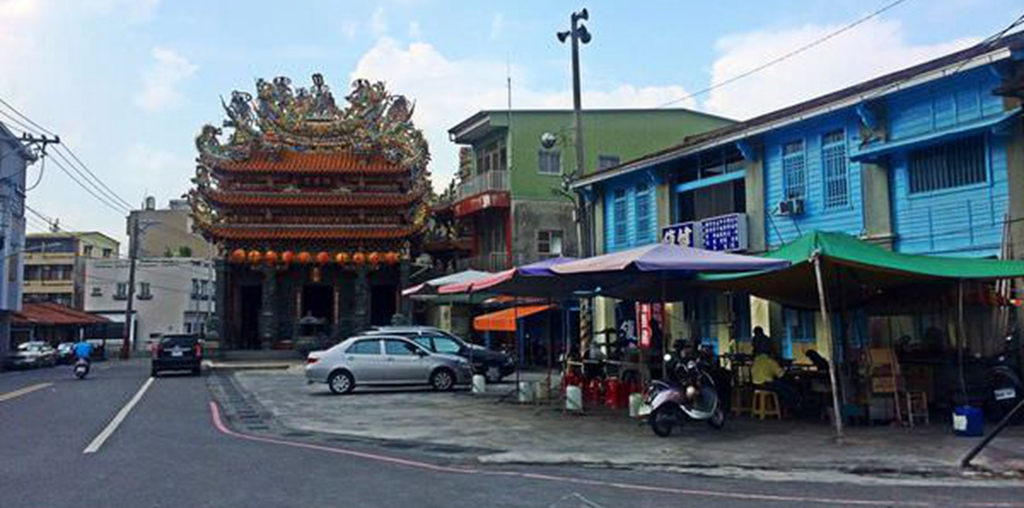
{"x": 680, "y": 234}
{"x": 722, "y": 233}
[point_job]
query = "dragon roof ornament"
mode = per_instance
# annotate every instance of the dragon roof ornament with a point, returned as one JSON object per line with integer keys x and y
{"x": 374, "y": 121}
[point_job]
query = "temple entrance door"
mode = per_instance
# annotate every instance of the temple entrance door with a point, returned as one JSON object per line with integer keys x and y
{"x": 382, "y": 305}
{"x": 252, "y": 299}
{"x": 318, "y": 301}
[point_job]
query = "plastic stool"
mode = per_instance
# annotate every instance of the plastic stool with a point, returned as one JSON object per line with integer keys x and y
{"x": 741, "y": 396}
{"x": 766, "y": 405}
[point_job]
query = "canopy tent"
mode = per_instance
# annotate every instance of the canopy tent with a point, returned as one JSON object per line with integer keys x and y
{"x": 830, "y": 270}
{"x": 505, "y": 320}
{"x": 866, "y": 271}
{"x": 535, "y": 279}
{"x": 654, "y": 272}
{"x": 429, "y": 289}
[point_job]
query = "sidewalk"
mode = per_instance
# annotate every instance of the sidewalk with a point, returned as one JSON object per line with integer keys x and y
{"x": 508, "y": 433}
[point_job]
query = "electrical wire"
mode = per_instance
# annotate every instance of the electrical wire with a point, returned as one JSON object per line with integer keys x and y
{"x": 785, "y": 56}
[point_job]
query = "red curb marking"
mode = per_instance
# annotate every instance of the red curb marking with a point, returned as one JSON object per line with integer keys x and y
{"x": 223, "y": 428}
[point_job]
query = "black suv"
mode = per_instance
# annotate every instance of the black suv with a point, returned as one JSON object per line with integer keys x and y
{"x": 177, "y": 352}
{"x": 494, "y": 365}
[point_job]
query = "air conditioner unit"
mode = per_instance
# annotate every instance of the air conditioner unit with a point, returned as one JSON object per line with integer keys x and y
{"x": 792, "y": 206}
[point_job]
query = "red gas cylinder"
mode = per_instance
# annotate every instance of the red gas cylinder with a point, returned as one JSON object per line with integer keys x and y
{"x": 613, "y": 393}
{"x": 592, "y": 392}
{"x": 571, "y": 378}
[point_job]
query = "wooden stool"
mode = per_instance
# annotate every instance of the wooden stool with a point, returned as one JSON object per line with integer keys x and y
{"x": 766, "y": 405}
{"x": 741, "y": 396}
{"x": 917, "y": 407}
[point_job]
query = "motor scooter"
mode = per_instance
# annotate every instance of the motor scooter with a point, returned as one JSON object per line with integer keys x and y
{"x": 692, "y": 395}
{"x": 81, "y": 368}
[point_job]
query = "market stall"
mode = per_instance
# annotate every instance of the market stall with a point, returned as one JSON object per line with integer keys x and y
{"x": 838, "y": 274}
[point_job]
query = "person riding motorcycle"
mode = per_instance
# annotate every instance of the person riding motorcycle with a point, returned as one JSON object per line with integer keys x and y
{"x": 83, "y": 351}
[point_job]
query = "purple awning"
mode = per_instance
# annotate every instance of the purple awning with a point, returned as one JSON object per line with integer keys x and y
{"x": 670, "y": 259}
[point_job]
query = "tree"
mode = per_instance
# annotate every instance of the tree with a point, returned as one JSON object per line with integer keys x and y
{"x": 185, "y": 251}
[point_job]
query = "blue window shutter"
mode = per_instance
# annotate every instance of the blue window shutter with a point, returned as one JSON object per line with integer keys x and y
{"x": 836, "y": 175}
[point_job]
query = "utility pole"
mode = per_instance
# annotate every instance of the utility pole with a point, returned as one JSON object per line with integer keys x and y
{"x": 133, "y": 251}
{"x": 578, "y": 34}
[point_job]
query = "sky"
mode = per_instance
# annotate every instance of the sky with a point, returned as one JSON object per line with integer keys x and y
{"x": 127, "y": 84}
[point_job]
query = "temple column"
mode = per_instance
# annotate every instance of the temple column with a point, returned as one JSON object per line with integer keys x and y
{"x": 268, "y": 317}
{"x": 404, "y": 308}
{"x": 361, "y": 301}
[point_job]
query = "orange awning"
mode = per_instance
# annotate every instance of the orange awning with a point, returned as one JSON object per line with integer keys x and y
{"x": 505, "y": 320}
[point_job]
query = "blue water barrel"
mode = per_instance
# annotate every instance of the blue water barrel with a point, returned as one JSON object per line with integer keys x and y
{"x": 968, "y": 421}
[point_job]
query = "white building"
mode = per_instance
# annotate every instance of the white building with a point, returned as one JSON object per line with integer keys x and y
{"x": 172, "y": 295}
{"x": 14, "y": 160}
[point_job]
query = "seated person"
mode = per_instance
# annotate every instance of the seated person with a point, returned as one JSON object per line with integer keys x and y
{"x": 767, "y": 374}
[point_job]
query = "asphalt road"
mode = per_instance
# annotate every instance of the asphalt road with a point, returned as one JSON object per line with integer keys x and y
{"x": 171, "y": 450}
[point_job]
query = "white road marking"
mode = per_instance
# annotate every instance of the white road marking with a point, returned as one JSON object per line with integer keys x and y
{"x": 23, "y": 391}
{"x": 102, "y": 437}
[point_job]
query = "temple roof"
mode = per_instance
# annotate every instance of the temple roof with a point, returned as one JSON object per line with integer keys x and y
{"x": 317, "y": 199}
{"x": 332, "y": 232}
{"x": 291, "y": 161}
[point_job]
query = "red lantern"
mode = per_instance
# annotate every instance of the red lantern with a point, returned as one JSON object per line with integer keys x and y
{"x": 391, "y": 258}
{"x": 238, "y": 256}
{"x": 304, "y": 257}
{"x": 270, "y": 257}
{"x": 342, "y": 258}
{"x": 287, "y": 257}
{"x": 255, "y": 256}
{"x": 323, "y": 258}
{"x": 358, "y": 258}
{"x": 374, "y": 258}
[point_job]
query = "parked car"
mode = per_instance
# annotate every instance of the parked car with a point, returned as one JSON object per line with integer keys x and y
{"x": 494, "y": 365}
{"x": 65, "y": 353}
{"x": 33, "y": 354}
{"x": 384, "y": 360}
{"x": 177, "y": 352}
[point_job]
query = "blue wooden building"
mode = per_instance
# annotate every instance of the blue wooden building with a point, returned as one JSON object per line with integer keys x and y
{"x": 925, "y": 160}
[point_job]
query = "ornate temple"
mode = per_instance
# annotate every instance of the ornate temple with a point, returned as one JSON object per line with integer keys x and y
{"x": 316, "y": 209}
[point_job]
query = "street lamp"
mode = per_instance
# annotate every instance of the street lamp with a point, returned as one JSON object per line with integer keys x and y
{"x": 578, "y": 33}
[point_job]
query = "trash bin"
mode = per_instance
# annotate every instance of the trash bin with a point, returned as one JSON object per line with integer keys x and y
{"x": 968, "y": 422}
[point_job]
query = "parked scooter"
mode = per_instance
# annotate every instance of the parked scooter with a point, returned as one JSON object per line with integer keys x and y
{"x": 1004, "y": 388}
{"x": 691, "y": 395}
{"x": 81, "y": 368}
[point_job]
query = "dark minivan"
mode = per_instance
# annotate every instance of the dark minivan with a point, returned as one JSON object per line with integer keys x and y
{"x": 494, "y": 365}
{"x": 177, "y": 352}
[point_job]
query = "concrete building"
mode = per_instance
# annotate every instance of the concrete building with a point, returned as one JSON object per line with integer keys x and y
{"x": 55, "y": 265}
{"x": 925, "y": 160}
{"x": 14, "y": 160}
{"x": 172, "y": 295}
{"x": 508, "y": 200}
{"x": 167, "y": 232}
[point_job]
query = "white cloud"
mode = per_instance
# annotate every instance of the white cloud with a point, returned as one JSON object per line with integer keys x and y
{"x": 874, "y": 48}
{"x": 161, "y": 81}
{"x": 497, "y": 25}
{"x": 349, "y": 29}
{"x": 415, "y": 31}
{"x": 379, "y": 22}
{"x": 447, "y": 91}
{"x": 157, "y": 171}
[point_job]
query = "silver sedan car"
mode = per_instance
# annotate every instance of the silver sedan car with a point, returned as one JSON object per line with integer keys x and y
{"x": 384, "y": 360}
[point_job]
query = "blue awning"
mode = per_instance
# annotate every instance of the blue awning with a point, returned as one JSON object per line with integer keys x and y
{"x": 992, "y": 123}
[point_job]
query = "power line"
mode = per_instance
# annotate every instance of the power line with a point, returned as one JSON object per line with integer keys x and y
{"x": 106, "y": 202}
{"x": 785, "y": 56}
{"x": 77, "y": 165}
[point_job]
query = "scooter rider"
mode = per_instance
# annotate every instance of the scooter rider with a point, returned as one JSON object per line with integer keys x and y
{"x": 83, "y": 351}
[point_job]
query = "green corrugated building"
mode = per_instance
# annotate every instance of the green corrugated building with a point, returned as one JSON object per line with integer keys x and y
{"x": 507, "y": 198}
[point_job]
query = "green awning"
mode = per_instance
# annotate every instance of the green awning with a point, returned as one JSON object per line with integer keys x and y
{"x": 855, "y": 271}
